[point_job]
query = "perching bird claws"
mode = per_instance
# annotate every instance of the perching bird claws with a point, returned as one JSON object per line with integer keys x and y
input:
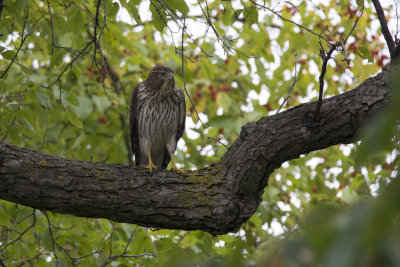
{"x": 150, "y": 166}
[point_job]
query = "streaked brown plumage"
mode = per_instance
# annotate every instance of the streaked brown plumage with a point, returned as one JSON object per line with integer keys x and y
{"x": 156, "y": 119}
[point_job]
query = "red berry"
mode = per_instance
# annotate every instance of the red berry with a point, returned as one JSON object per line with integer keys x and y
{"x": 314, "y": 189}
{"x": 268, "y": 107}
{"x": 103, "y": 71}
{"x": 102, "y": 120}
{"x": 302, "y": 61}
{"x": 225, "y": 87}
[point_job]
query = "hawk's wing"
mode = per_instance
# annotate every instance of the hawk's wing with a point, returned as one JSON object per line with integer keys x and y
{"x": 182, "y": 114}
{"x": 133, "y": 121}
{"x": 181, "y": 125}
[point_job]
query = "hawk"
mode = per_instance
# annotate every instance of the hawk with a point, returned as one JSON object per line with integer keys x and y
{"x": 156, "y": 119}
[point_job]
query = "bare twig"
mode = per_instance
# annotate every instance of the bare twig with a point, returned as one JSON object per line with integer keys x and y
{"x": 326, "y": 58}
{"x": 291, "y": 21}
{"x": 24, "y": 36}
{"x": 124, "y": 253}
{"x": 183, "y": 75}
{"x": 22, "y": 233}
{"x": 384, "y": 27}
{"x": 218, "y": 141}
{"x": 291, "y": 87}
{"x": 52, "y": 236}
{"x": 81, "y": 52}
{"x": 1, "y": 8}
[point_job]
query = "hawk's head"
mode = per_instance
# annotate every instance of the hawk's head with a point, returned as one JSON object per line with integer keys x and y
{"x": 161, "y": 77}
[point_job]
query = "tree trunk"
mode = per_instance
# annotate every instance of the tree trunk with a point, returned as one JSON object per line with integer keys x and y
{"x": 217, "y": 199}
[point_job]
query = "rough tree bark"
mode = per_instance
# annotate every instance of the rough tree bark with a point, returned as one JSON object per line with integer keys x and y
{"x": 217, "y": 199}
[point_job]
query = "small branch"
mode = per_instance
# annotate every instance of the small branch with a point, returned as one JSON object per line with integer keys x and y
{"x": 218, "y": 141}
{"x": 325, "y": 58}
{"x": 291, "y": 87}
{"x": 1, "y": 8}
{"x": 24, "y": 37}
{"x": 52, "y": 236}
{"x": 69, "y": 65}
{"x": 183, "y": 75}
{"x": 384, "y": 27}
{"x": 124, "y": 253}
{"x": 21, "y": 234}
{"x": 291, "y": 21}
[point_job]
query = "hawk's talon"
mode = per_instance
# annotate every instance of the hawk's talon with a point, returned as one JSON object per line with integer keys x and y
{"x": 150, "y": 165}
{"x": 173, "y": 163}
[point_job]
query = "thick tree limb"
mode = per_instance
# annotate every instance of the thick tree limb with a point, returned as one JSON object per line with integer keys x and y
{"x": 217, "y": 199}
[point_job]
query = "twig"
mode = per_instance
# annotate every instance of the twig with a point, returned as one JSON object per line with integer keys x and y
{"x": 183, "y": 74}
{"x": 52, "y": 236}
{"x": 24, "y": 37}
{"x": 22, "y": 233}
{"x": 328, "y": 55}
{"x": 96, "y": 24}
{"x": 294, "y": 82}
{"x": 124, "y": 253}
{"x": 218, "y": 141}
{"x": 291, "y": 21}
{"x": 326, "y": 58}
{"x": 1, "y": 8}
{"x": 69, "y": 65}
{"x": 384, "y": 27}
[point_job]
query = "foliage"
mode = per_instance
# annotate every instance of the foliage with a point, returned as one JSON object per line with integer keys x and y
{"x": 69, "y": 67}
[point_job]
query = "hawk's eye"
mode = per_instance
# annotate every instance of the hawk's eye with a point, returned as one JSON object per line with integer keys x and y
{"x": 163, "y": 74}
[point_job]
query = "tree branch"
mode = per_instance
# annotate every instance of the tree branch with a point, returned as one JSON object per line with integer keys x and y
{"x": 217, "y": 199}
{"x": 24, "y": 36}
{"x": 384, "y": 27}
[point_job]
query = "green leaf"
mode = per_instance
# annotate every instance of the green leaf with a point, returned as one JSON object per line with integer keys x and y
{"x": 179, "y": 5}
{"x": 134, "y": 11}
{"x": 158, "y": 16}
{"x": 72, "y": 77}
{"x": 360, "y": 3}
{"x": 48, "y": 240}
{"x": 227, "y": 16}
{"x": 102, "y": 103}
{"x": 60, "y": 24}
{"x": 84, "y": 108}
{"x": 73, "y": 118}
{"x": 251, "y": 15}
{"x": 24, "y": 69}
{"x": 21, "y": 5}
{"x": 75, "y": 20}
{"x": 56, "y": 59}
{"x": 9, "y": 54}
{"x": 365, "y": 53}
{"x": 37, "y": 78}
{"x": 235, "y": 15}
{"x": 44, "y": 99}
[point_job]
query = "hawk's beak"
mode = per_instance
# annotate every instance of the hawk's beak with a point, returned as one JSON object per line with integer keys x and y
{"x": 171, "y": 76}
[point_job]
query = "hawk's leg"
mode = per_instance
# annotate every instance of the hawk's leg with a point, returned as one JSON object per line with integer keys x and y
{"x": 173, "y": 162}
{"x": 150, "y": 165}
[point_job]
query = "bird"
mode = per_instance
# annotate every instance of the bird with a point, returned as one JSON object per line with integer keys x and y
{"x": 156, "y": 119}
